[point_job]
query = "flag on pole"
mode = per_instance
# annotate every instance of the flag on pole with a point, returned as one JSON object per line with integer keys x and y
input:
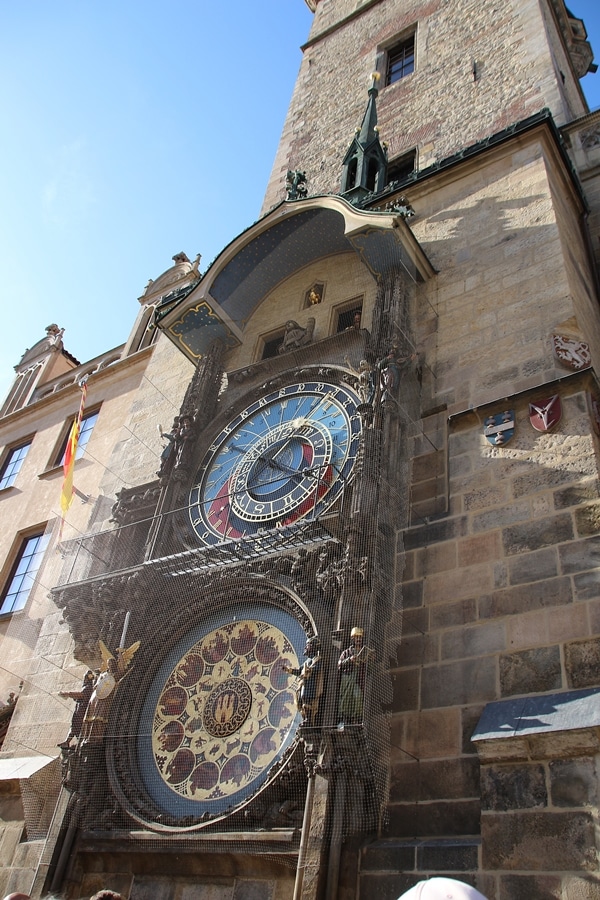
{"x": 66, "y": 497}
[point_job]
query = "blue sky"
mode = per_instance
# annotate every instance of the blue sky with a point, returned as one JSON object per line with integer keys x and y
{"x": 131, "y": 131}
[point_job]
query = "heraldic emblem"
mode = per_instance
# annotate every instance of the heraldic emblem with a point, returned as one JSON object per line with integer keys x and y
{"x": 500, "y": 428}
{"x": 545, "y": 414}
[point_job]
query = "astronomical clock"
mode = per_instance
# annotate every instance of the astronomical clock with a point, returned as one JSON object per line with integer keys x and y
{"x": 211, "y": 708}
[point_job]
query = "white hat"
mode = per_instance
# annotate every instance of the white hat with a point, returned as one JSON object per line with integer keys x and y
{"x": 442, "y": 889}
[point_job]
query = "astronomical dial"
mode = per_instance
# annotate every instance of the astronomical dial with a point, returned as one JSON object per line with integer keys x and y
{"x": 221, "y": 711}
{"x": 283, "y": 458}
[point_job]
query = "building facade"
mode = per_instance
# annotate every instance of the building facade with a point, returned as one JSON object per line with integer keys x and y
{"x": 345, "y": 607}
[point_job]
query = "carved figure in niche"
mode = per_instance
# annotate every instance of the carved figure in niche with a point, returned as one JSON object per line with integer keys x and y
{"x": 295, "y": 185}
{"x": 295, "y": 336}
{"x": 112, "y": 671}
{"x": 366, "y": 380}
{"x": 352, "y": 666}
{"x": 81, "y": 698}
{"x": 282, "y": 815}
{"x": 330, "y": 572}
{"x": 167, "y": 457}
{"x": 310, "y": 674}
{"x": 313, "y": 297}
{"x": 390, "y": 369}
{"x": 304, "y": 570}
{"x": 184, "y": 442}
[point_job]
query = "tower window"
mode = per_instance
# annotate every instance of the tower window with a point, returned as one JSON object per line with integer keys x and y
{"x": 402, "y": 167}
{"x": 12, "y": 464}
{"x": 271, "y": 344}
{"x": 400, "y": 60}
{"x": 348, "y": 315}
{"x": 85, "y": 433}
{"x": 23, "y": 573}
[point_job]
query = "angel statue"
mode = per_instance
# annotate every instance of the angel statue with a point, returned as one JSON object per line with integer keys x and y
{"x": 112, "y": 671}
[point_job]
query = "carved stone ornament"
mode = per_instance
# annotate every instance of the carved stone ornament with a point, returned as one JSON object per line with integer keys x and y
{"x": 570, "y": 352}
{"x": 590, "y": 138}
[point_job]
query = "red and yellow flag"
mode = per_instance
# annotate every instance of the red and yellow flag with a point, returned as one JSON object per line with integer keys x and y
{"x": 66, "y": 497}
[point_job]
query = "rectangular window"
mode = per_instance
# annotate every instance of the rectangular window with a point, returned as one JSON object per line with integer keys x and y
{"x": 401, "y": 168}
{"x": 24, "y": 571}
{"x": 87, "y": 425}
{"x": 12, "y": 464}
{"x": 348, "y": 316}
{"x": 400, "y": 60}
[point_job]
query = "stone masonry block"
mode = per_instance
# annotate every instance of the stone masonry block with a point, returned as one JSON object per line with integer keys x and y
{"x": 445, "y": 615}
{"x": 542, "y": 479}
{"x": 567, "y": 623}
{"x": 506, "y": 788}
{"x": 530, "y": 887}
{"x": 458, "y": 583}
{"x": 437, "y": 558}
{"x": 580, "y": 555}
{"x": 576, "y": 494}
{"x": 587, "y": 587}
{"x": 459, "y": 683}
{"x": 479, "y": 548}
{"x": 412, "y": 594}
{"x": 540, "y": 533}
{"x": 582, "y": 663}
{"x": 587, "y": 520}
{"x": 434, "y": 780}
{"x": 388, "y": 856}
{"x": 574, "y": 782}
{"x": 530, "y": 671}
{"x": 539, "y": 595}
{"x": 456, "y": 817}
{"x": 533, "y": 566}
{"x": 448, "y": 856}
{"x": 427, "y": 734}
{"x": 498, "y": 518}
{"x": 405, "y": 688}
{"x": 445, "y": 530}
{"x": 417, "y": 650}
{"x": 539, "y": 842}
{"x": 478, "y": 640}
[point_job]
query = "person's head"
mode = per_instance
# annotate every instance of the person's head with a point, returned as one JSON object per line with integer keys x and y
{"x": 312, "y": 647}
{"x": 356, "y": 636}
{"x": 17, "y": 896}
{"x": 89, "y": 676}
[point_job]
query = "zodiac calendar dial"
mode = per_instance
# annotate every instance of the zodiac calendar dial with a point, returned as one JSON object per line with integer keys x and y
{"x": 283, "y": 458}
{"x": 223, "y": 713}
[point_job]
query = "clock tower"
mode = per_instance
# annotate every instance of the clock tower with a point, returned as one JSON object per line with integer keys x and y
{"x": 356, "y": 554}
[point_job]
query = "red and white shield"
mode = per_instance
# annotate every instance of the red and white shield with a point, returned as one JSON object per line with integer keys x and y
{"x": 545, "y": 414}
{"x": 571, "y": 353}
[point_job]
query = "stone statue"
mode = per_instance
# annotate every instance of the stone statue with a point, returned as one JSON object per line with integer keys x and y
{"x": 82, "y": 699}
{"x": 366, "y": 380}
{"x": 167, "y": 457}
{"x": 295, "y": 336}
{"x": 113, "y": 670}
{"x": 310, "y": 674}
{"x": 295, "y": 185}
{"x": 352, "y": 666}
{"x": 390, "y": 369}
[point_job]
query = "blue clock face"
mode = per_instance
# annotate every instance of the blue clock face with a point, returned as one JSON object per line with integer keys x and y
{"x": 283, "y": 458}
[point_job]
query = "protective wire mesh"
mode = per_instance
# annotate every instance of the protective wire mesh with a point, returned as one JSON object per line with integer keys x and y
{"x": 205, "y": 735}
